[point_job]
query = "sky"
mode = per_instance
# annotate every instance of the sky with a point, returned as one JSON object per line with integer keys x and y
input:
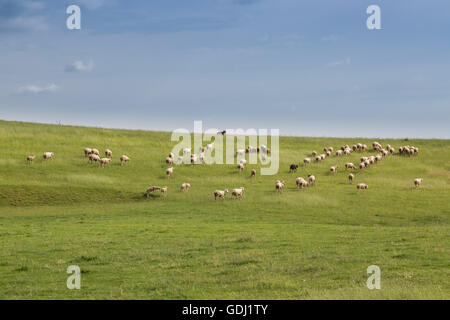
{"x": 308, "y": 68}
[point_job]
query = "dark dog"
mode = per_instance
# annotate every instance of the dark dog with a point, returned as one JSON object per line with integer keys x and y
{"x": 293, "y": 168}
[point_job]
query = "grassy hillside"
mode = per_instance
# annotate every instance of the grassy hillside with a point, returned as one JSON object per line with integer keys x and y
{"x": 302, "y": 244}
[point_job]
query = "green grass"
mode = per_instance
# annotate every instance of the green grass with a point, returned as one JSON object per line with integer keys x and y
{"x": 314, "y": 243}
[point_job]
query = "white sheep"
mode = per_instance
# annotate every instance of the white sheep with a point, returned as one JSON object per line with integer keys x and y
{"x": 362, "y": 186}
{"x": 240, "y": 166}
{"x": 333, "y": 169}
{"x": 220, "y": 194}
{"x": 279, "y": 184}
{"x": 30, "y": 159}
{"x": 300, "y": 182}
{"x": 339, "y": 153}
{"x": 418, "y": 181}
{"x": 87, "y": 151}
{"x": 349, "y": 165}
{"x": 306, "y": 161}
{"x": 104, "y": 161}
{"x": 169, "y": 171}
{"x": 48, "y": 155}
{"x": 311, "y": 179}
{"x": 94, "y": 158}
{"x": 351, "y": 177}
{"x": 185, "y": 186}
{"x": 95, "y": 151}
{"x": 124, "y": 159}
{"x": 108, "y": 153}
{"x": 169, "y": 160}
{"x": 152, "y": 189}
{"x": 238, "y": 192}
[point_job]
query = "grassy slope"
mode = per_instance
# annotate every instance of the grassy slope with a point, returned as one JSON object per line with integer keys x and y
{"x": 312, "y": 243}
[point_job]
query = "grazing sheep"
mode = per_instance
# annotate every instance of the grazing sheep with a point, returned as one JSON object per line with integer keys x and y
{"x": 94, "y": 158}
{"x": 328, "y": 153}
{"x": 417, "y": 182}
{"x": 293, "y": 168}
{"x": 339, "y": 153}
{"x": 240, "y": 166}
{"x": 306, "y": 161}
{"x": 279, "y": 185}
{"x": 238, "y": 192}
{"x": 30, "y": 159}
{"x": 95, "y": 151}
{"x": 333, "y": 169}
{"x": 164, "y": 190}
{"x": 300, "y": 182}
{"x": 354, "y": 147}
{"x": 220, "y": 194}
{"x": 363, "y": 159}
{"x": 104, "y": 161}
{"x": 169, "y": 171}
{"x": 124, "y": 159}
{"x": 362, "y": 186}
{"x": 87, "y": 151}
{"x": 314, "y": 153}
{"x": 169, "y": 160}
{"x": 171, "y": 155}
{"x": 322, "y": 156}
{"x": 349, "y": 165}
{"x": 253, "y": 173}
{"x": 185, "y": 186}
{"x": 108, "y": 153}
{"x": 376, "y": 146}
{"x": 330, "y": 149}
{"x": 311, "y": 179}
{"x": 48, "y": 155}
{"x": 391, "y": 150}
{"x": 152, "y": 189}
{"x": 362, "y": 165}
{"x": 351, "y": 177}
{"x": 318, "y": 158}
{"x": 378, "y": 157}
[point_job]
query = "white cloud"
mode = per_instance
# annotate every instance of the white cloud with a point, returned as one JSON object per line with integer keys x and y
{"x": 38, "y": 89}
{"x": 340, "y": 62}
{"x": 79, "y": 66}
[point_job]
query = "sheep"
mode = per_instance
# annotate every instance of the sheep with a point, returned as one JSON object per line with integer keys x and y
{"x": 87, "y": 151}
{"x": 362, "y": 165}
{"x": 339, "y": 153}
{"x": 376, "y": 146}
{"x": 328, "y": 153}
{"x": 300, "y": 182}
{"x": 417, "y": 182}
{"x": 152, "y": 189}
{"x": 171, "y": 155}
{"x": 311, "y": 179}
{"x": 185, "y": 186}
{"x": 354, "y": 147}
{"x": 30, "y": 159}
{"x": 347, "y": 151}
{"x": 94, "y": 158}
{"x": 314, "y": 153}
{"x": 194, "y": 158}
{"x": 124, "y": 159}
{"x": 363, "y": 147}
{"x": 279, "y": 185}
{"x": 104, "y": 161}
{"x": 48, "y": 155}
{"x": 95, "y": 151}
{"x": 318, "y": 158}
{"x": 108, "y": 153}
{"x": 351, "y": 177}
{"x": 169, "y": 160}
{"x": 378, "y": 157}
{"x": 306, "y": 161}
{"x": 349, "y": 165}
{"x": 253, "y": 173}
{"x": 220, "y": 194}
{"x": 333, "y": 169}
{"x": 322, "y": 156}
{"x": 367, "y": 163}
{"x": 169, "y": 171}
{"x": 293, "y": 168}
{"x": 240, "y": 166}
{"x": 330, "y": 149}
{"x": 164, "y": 190}
{"x": 362, "y": 186}
{"x": 237, "y": 193}
{"x": 363, "y": 159}
{"x": 391, "y": 150}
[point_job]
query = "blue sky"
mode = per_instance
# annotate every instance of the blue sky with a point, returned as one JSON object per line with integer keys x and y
{"x": 309, "y": 68}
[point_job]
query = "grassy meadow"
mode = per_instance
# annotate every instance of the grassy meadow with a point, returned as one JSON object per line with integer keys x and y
{"x": 314, "y": 243}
